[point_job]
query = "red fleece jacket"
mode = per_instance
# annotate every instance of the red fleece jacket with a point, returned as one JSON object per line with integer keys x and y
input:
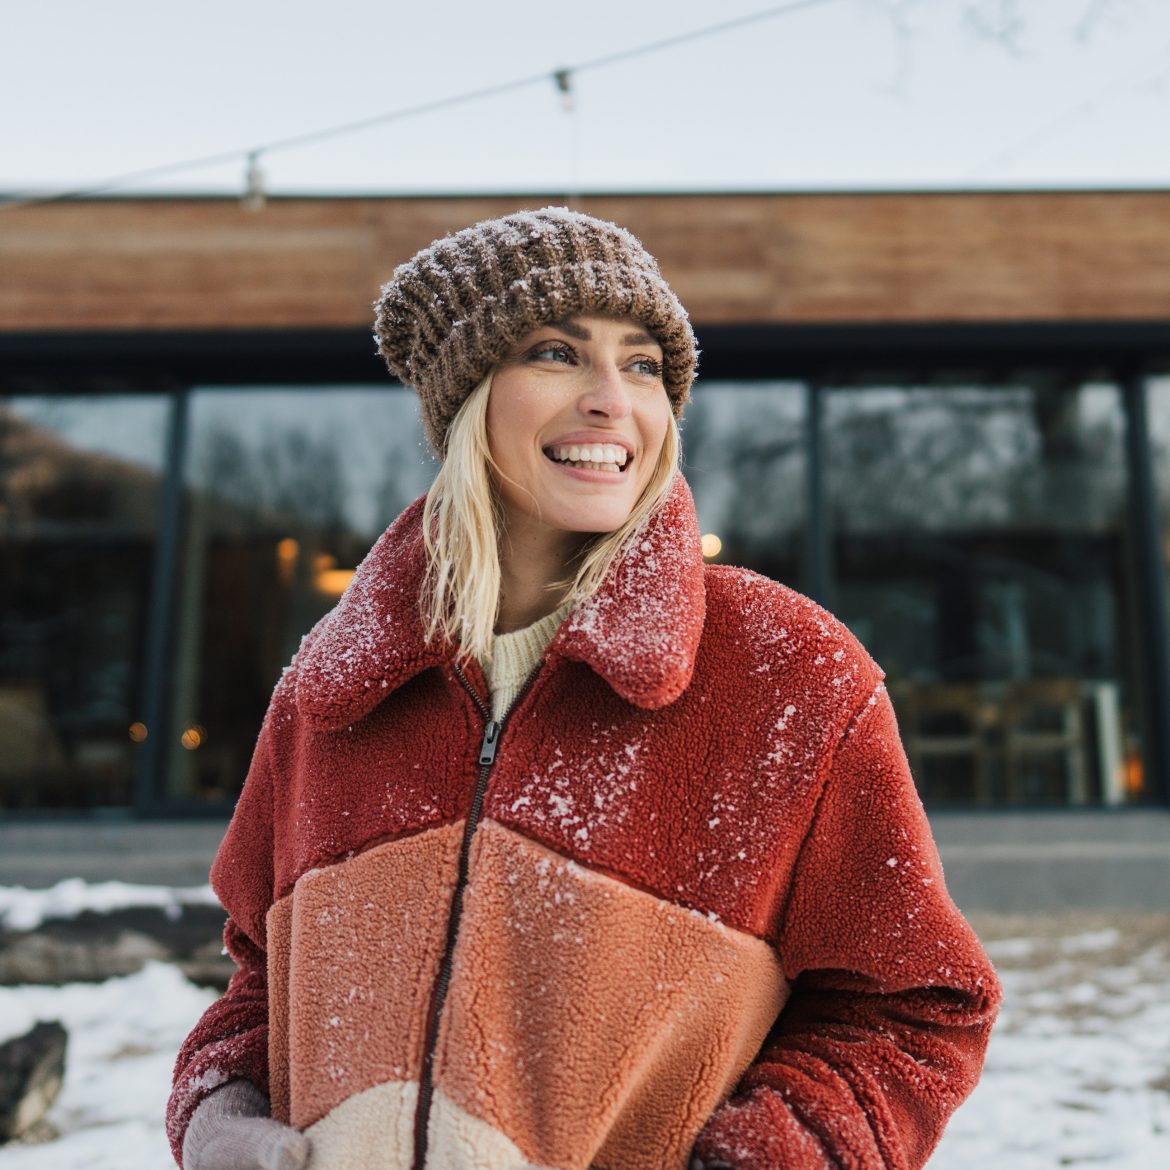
{"x": 691, "y": 905}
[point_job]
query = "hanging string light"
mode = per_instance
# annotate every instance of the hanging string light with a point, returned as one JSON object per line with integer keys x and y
{"x": 564, "y": 83}
{"x": 563, "y": 79}
{"x": 254, "y": 196}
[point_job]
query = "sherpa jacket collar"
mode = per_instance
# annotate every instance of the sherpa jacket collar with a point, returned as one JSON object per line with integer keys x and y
{"x": 640, "y": 631}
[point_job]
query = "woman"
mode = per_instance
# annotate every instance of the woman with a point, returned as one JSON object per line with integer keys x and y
{"x": 558, "y": 847}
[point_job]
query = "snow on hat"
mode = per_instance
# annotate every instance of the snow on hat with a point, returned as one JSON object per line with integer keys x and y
{"x": 451, "y": 312}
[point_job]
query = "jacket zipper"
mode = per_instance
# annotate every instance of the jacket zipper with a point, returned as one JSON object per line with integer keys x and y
{"x": 487, "y": 757}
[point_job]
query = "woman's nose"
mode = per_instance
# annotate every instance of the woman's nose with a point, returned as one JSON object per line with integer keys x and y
{"x": 606, "y": 394}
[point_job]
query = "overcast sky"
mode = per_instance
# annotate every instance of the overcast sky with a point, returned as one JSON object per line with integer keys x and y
{"x": 839, "y": 94}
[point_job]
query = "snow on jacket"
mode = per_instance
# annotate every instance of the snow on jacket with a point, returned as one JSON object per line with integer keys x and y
{"x": 692, "y": 901}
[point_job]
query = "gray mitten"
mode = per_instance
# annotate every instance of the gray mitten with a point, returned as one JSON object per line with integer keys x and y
{"x": 232, "y": 1130}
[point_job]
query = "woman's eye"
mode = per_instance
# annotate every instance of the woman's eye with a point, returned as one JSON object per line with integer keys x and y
{"x": 552, "y": 352}
{"x": 649, "y": 367}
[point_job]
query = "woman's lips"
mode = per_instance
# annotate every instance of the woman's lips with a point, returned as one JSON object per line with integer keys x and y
{"x": 611, "y": 458}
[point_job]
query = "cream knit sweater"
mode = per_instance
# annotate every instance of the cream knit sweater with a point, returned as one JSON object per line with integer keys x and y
{"x": 514, "y": 655}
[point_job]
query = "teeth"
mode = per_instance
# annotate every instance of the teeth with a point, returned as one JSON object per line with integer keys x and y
{"x": 608, "y": 456}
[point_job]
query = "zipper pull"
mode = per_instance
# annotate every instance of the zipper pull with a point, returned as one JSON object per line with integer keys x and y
{"x": 491, "y": 734}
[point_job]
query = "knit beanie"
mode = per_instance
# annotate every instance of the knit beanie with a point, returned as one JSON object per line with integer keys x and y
{"x": 449, "y": 314}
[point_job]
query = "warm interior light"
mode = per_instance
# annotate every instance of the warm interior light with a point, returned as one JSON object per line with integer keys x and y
{"x": 1134, "y": 779}
{"x": 138, "y": 732}
{"x": 332, "y": 582}
{"x": 287, "y": 551}
{"x": 711, "y": 545}
{"x": 193, "y": 737}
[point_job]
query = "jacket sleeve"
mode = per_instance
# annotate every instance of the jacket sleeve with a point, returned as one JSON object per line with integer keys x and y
{"x": 892, "y": 997}
{"x": 230, "y": 1041}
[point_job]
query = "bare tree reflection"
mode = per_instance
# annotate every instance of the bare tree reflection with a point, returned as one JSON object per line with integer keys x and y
{"x": 953, "y": 459}
{"x": 745, "y": 459}
{"x": 290, "y": 473}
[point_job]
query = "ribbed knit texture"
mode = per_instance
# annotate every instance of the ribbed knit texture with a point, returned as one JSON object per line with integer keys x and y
{"x": 513, "y": 657}
{"x": 451, "y": 312}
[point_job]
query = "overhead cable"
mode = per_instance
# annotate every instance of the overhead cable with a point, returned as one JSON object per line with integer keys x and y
{"x": 560, "y": 77}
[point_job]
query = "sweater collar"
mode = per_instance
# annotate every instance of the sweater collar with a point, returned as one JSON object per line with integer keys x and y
{"x": 639, "y": 631}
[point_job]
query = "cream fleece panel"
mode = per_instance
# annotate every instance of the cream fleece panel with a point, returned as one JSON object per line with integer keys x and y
{"x": 592, "y": 1022}
{"x": 458, "y": 1141}
{"x": 372, "y": 1129}
{"x": 376, "y": 1129}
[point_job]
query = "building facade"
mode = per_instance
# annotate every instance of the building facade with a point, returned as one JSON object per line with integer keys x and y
{"x": 945, "y": 416}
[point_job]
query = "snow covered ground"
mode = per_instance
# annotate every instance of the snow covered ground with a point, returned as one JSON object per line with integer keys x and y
{"x": 1078, "y": 1074}
{"x": 123, "y": 1036}
{"x": 1078, "y": 1071}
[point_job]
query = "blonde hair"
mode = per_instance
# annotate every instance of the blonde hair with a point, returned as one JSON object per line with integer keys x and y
{"x": 463, "y": 523}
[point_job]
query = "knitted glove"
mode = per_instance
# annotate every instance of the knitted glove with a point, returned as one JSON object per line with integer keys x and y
{"x": 232, "y": 1130}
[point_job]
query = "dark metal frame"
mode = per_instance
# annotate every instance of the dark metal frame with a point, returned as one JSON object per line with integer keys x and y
{"x": 32, "y": 362}
{"x": 175, "y": 361}
{"x": 157, "y": 680}
{"x": 1149, "y": 576}
{"x": 818, "y": 574}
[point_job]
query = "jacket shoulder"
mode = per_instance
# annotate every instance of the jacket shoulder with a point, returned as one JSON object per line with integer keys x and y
{"x": 773, "y": 627}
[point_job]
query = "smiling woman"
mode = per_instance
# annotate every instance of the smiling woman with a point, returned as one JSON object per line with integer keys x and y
{"x": 577, "y": 434}
{"x": 559, "y": 847}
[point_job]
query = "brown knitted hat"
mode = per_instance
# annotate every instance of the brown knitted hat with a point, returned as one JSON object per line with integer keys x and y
{"x": 450, "y": 313}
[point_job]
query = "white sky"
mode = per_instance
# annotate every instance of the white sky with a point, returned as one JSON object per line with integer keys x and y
{"x": 828, "y": 97}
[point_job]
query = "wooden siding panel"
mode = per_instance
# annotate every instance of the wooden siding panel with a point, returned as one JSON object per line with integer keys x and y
{"x": 833, "y": 259}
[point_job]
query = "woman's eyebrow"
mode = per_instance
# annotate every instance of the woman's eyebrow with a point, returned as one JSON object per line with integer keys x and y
{"x": 572, "y": 329}
{"x": 583, "y": 334}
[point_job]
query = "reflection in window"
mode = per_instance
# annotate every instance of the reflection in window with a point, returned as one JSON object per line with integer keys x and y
{"x": 745, "y": 462}
{"x": 287, "y": 491}
{"x": 79, "y": 500}
{"x": 978, "y": 540}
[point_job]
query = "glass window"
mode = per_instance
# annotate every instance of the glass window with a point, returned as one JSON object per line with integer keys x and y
{"x": 1158, "y": 412}
{"x": 744, "y": 446}
{"x": 80, "y": 484}
{"x": 978, "y": 539}
{"x": 286, "y": 492}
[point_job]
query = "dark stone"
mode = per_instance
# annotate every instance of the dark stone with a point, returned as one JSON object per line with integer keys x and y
{"x": 181, "y": 930}
{"x": 32, "y": 1068}
{"x": 92, "y": 947}
{"x": 45, "y": 959}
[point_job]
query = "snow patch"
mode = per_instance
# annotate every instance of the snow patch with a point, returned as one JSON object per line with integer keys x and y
{"x": 25, "y": 909}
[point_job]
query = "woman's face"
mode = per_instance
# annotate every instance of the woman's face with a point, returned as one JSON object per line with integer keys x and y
{"x": 576, "y": 418}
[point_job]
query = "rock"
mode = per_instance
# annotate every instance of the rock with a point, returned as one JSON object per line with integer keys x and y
{"x": 32, "y": 1068}
{"x": 93, "y": 946}
{"x": 37, "y": 957}
{"x": 37, "y": 1134}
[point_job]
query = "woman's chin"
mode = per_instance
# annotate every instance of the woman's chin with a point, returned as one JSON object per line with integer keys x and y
{"x": 595, "y": 517}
